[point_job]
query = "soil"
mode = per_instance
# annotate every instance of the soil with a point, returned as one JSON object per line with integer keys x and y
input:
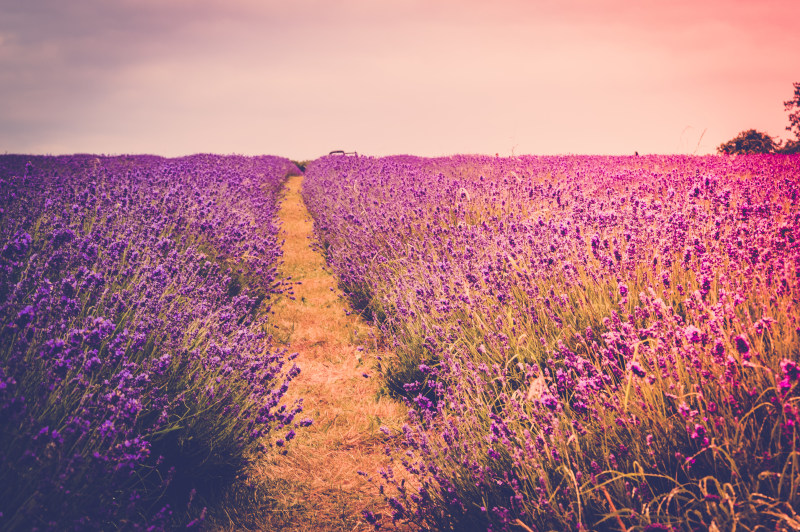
{"x": 317, "y": 485}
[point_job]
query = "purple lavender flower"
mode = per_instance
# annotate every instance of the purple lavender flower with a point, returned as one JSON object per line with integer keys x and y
{"x": 791, "y": 374}
{"x": 97, "y": 374}
{"x": 741, "y": 344}
{"x": 693, "y": 334}
{"x": 637, "y": 369}
{"x": 492, "y": 291}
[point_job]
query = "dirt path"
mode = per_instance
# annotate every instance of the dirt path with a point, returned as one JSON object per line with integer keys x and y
{"x": 316, "y": 486}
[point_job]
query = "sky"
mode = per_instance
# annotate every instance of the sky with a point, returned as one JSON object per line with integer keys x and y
{"x": 300, "y": 78}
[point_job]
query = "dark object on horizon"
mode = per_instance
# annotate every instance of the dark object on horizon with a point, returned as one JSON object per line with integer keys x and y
{"x": 342, "y": 152}
{"x": 636, "y": 153}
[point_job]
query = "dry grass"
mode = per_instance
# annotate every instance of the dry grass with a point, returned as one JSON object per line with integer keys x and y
{"x": 316, "y": 486}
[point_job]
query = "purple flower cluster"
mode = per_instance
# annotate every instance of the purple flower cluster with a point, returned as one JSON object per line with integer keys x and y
{"x": 135, "y": 362}
{"x": 581, "y": 340}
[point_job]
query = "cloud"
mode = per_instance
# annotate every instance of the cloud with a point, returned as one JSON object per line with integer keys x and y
{"x": 398, "y": 75}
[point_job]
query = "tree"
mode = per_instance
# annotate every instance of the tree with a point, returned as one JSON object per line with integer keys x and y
{"x": 750, "y": 141}
{"x": 794, "y": 117}
{"x": 791, "y": 146}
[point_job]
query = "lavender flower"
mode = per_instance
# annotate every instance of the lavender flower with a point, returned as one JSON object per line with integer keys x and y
{"x": 109, "y": 324}
{"x": 485, "y": 297}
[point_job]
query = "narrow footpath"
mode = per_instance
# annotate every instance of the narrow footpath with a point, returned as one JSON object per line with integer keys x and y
{"x": 316, "y": 486}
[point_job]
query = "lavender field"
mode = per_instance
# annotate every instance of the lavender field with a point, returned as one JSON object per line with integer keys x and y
{"x": 582, "y": 343}
{"x": 137, "y": 378}
{"x": 585, "y": 343}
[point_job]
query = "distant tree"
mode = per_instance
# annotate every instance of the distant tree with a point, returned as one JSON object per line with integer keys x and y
{"x": 750, "y": 141}
{"x": 791, "y": 146}
{"x": 793, "y": 106}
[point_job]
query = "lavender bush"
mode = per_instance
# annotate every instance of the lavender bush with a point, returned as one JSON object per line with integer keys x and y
{"x": 136, "y": 372}
{"x": 584, "y": 342}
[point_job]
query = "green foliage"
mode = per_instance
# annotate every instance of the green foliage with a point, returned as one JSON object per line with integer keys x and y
{"x": 793, "y": 106}
{"x": 750, "y": 141}
{"x": 791, "y": 146}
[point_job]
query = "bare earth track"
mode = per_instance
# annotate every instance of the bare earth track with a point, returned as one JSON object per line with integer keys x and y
{"x": 316, "y": 486}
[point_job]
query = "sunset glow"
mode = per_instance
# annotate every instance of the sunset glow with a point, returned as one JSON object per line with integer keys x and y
{"x": 301, "y": 78}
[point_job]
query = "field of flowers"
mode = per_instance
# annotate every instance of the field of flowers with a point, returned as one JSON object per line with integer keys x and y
{"x": 136, "y": 371}
{"x": 584, "y": 342}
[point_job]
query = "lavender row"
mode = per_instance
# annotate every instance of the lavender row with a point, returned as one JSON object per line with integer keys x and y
{"x": 136, "y": 370}
{"x": 584, "y": 342}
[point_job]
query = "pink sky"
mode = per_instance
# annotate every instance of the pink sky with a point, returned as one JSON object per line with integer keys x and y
{"x": 300, "y": 78}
